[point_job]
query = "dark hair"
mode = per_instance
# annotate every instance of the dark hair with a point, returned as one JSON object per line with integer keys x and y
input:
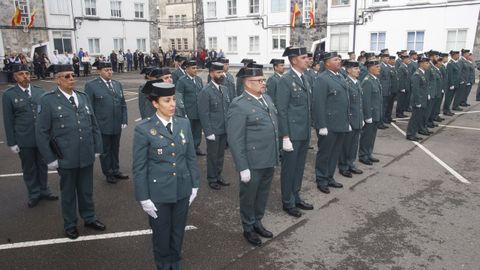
{"x": 153, "y": 98}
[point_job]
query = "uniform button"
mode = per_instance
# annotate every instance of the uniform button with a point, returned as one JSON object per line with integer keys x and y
{"x": 174, "y": 174}
{"x": 62, "y": 126}
{"x": 173, "y": 144}
{"x": 78, "y": 122}
{"x": 154, "y": 180}
{"x": 80, "y": 130}
{"x": 61, "y": 116}
{"x": 173, "y": 164}
{"x": 253, "y": 147}
{"x": 81, "y": 138}
{"x": 173, "y": 154}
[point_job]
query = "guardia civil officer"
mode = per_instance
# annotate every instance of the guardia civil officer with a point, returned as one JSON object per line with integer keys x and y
{"x": 187, "y": 89}
{"x": 293, "y": 105}
{"x": 246, "y": 62}
{"x": 252, "y": 133}
{"x": 110, "y": 109}
{"x": 179, "y": 71}
{"x": 69, "y": 139}
{"x": 442, "y": 66}
{"x": 278, "y": 70}
{"x": 213, "y": 103}
{"x": 145, "y": 106}
{"x": 19, "y": 117}
{"x": 419, "y": 100}
{"x": 165, "y": 173}
{"x": 309, "y": 72}
{"x": 454, "y": 79}
{"x": 346, "y": 165}
{"x": 372, "y": 110}
{"x": 330, "y": 112}
{"x": 403, "y": 101}
{"x": 394, "y": 83}
{"x": 229, "y": 81}
{"x": 434, "y": 88}
{"x": 468, "y": 76}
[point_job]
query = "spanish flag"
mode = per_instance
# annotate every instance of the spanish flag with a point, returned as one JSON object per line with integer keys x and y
{"x": 17, "y": 17}
{"x": 296, "y": 12}
{"x": 32, "y": 19}
{"x": 312, "y": 15}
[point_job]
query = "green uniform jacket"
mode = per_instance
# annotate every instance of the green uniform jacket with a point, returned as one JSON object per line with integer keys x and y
{"x": 330, "y": 104}
{"x": 19, "y": 115}
{"x": 385, "y": 79}
{"x": 230, "y": 84}
{"x": 372, "y": 98}
{"x": 363, "y": 72}
{"x": 293, "y": 105}
{"x": 212, "y": 109}
{"x": 76, "y": 131}
{"x": 470, "y": 69}
{"x": 252, "y": 133}
{"x": 356, "y": 104}
{"x": 110, "y": 108}
{"x": 463, "y": 66}
{"x": 393, "y": 80}
{"x": 310, "y": 76}
{"x": 144, "y": 105}
{"x": 412, "y": 67}
{"x": 272, "y": 86}
{"x": 443, "y": 71}
{"x": 398, "y": 63}
{"x": 453, "y": 74}
{"x": 186, "y": 93}
{"x": 164, "y": 165}
{"x": 436, "y": 81}
{"x": 403, "y": 78}
{"x": 177, "y": 74}
{"x": 431, "y": 81}
{"x": 419, "y": 89}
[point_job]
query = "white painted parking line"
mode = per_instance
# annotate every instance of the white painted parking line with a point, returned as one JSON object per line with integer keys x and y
{"x": 467, "y": 112}
{"x": 81, "y": 239}
{"x": 138, "y": 119}
{"x": 128, "y": 100}
{"x": 20, "y": 174}
{"x": 2, "y": 142}
{"x": 439, "y": 161}
{"x": 459, "y": 127}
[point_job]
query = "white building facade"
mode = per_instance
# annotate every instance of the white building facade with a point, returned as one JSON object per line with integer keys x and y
{"x": 178, "y": 30}
{"x": 257, "y": 29}
{"x": 100, "y": 26}
{"x": 418, "y": 25}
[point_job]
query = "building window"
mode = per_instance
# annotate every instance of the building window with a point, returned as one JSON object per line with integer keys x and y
{"x": 185, "y": 44}
{"x": 415, "y": 40}
{"x": 232, "y": 7}
{"x": 172, "y": 43}
{"x": 62, "y": 41}
{"x": 279, "y": 38}
{"x": 377, "y": 41}
{"x": 232, "y": 44}
{"x": 170, "y": 20}
{"x": 456, "y": 39}
{"x": 279, "y": 5}
{"x": 380, "y": 1}
{"x": 254, "y": 6}
{"x": 116, "y": 8}
{"x": 91, "y": 7}
{"x": 139, "y": 10}
{"x": 254, "y": 45}
{"x": 212, "y": 42}
{"x": 184, "y": 20}
{"x": 141, "y": 44}
{"x": 179, "y": 43}
{"x": 56, "y": 6}
{"x": 340, "y": 2}
{"x": 339, "y": 38}
{"x": 307, "y": 4}
{"x": 118, "y": 44}
{"x": 177, "y": 20}
{"x": 211, "y": 9}
{"x": 93, "y": 45}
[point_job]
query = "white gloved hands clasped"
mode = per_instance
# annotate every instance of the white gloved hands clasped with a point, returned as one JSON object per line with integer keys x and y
{"x": 97, "y": 155}
{"x": 403, "y": 90}
{"x": 245, "y": 176}
{"x": 287, "y": 145}
{"x": 53, "y": 165}
{"x": 124, "y": 126}
{"x": 323, "y": 132}
{"x": 369, "y": 120}
{"x": 15, "y": 149}
{"x": 149, "y": 208}
{"x": 349, "y": 128}
{"x": 429, "y": 97}
{"x": 452, "y": 87}
{"x": 418, "y": 106}
{"x": 193, "y": 195}
{"x": 210, "y": 137}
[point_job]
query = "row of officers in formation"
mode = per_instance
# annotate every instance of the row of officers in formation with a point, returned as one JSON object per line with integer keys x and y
{"x": 263, "y": 124}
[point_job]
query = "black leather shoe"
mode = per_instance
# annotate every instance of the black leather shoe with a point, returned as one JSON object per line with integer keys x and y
{"x": 426, "y": 133}
{"x": 33, "y": 202}
{"x": 346, "y": 173}
{"x": 335, "y": 184}
{"x": 392, "y": 121}
{"x": 365, "y": 161}
{"x": 372, "y": 159}
{"x": 467, "y": 104}
{"x": 401, "y": 116}
{"x": 252, "y": 238}
{"x": 121, "y": 176}
{"x": 214, "y": 185}
{"x": 310, "y": 147}
{"x": 260, "y": 230}
{"x": 294, "y": 212}
{"x": 200, "y": 153}
{"x": 449, "y": 113}
{"x": 458, "y": 109}
{"x": 222, "y": 182}
{"x": 49, "y": 197}
{"x": 304, "y": 205}
{"x": 430, "y": 125}
{"x": 111, "y": 180}
{"x": 464, "y": 105}
{"x": 412, "y": 138}
{"x": 418, "y": 138}
{"x": 382, "y": 127}
{"x": 324, "y": 189}
{"x": 71, "y": 233}
{"x": 96, "y": 225}
{"x": 356, "y": 171}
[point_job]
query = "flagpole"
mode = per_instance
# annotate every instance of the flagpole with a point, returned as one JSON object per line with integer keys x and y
{"x": 354, "y": 24}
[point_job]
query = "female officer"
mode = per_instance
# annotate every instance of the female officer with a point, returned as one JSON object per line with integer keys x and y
{"x": 165, "y": 172}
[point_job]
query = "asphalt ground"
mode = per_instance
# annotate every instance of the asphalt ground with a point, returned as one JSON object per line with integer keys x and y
{"x": 410, "y": 211}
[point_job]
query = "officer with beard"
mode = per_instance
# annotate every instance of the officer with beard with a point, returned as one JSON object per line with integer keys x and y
{"x": 213, "y": 102}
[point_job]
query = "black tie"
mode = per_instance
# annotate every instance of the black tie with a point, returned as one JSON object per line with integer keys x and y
{"x": 27, "y": 92}
{"x": 110, "y": 86}
{"x": 72, "y": 100}
{"x": 169, "y": 128}
{"x": 263, "y": 103}
{"x": 303, "y": 80}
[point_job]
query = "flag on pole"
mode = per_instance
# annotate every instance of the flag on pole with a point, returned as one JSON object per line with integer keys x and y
{"x": 17, "y": 16}
{"x": 296, "y": 12}
{"x": 312, "y": 14}
{"x": 32, "y": 19}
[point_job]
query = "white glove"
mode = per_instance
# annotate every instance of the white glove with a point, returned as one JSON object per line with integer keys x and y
{"x": 245, "y": 176}
{"x": 287, "y": 145}
{"x": 53, "y": 165}
{"x": 349, "y": 128}
{"x": 428, "y": 96}
{"x": 418, "y": 106}
{"x": 369, "y": 121}
{"x": 462, "y": 82}
{"x": 403, "y": 90}
{"x": 363, "y": 123}
{"x": 468, "y": 84}
{"x": 193, "y": 196}
{"x": 443, "y": 91}
{"x": 210, "y": 137}
{"x": 124, "y": 126}
{"x": 149, "y": 208}
{"x": 452, "y": 87}
{"x": 97, "y": 155}
{"x": 323, "y": 132}
{"x": 15, "y": 149}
